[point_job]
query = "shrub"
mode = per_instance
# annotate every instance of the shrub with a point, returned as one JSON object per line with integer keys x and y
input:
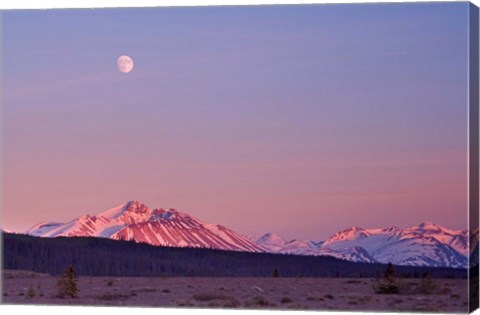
{"x": 31, "y": 293}
{"x": 216, "y": 299}
{"x": 206, "y": 297}
{"x": 276, "y": 273}
{"x": 113, "y": 297}
{"x": 388, "y": 287}
{"x": 260, "y": 301}
{"x": 427, "y": 286}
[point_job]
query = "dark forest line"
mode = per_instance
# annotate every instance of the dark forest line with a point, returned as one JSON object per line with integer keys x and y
{"x": 91, "y": 256}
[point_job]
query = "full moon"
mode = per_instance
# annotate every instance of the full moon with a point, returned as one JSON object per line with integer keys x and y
{"x": 125, "y": 64}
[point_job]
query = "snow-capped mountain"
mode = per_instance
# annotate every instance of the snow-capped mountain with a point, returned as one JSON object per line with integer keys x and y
{"x": 276, "y": 244}
{"x": 135, "y": 221}
{"x": 426, "y": 244}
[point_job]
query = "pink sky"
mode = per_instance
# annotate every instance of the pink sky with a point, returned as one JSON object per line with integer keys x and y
{"x": 239, "y": 118}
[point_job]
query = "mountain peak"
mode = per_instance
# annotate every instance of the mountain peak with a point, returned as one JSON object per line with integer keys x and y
{"x": 131, "y": 206}
{"x": 270, "y": 237}
{"x": 356, "y": 228}
{"x": 392, "y": 229}
{"x": 161, "y": 213}
{"x": 349, "y": 234}
{"x": 136, "y": 207}
{"x": 427, "y": 224}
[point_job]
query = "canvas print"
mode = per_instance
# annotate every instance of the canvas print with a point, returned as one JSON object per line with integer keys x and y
{"x": 320, "y": 157}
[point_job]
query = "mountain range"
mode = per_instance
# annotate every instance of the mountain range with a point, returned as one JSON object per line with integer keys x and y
{"x": 426, "y": 244}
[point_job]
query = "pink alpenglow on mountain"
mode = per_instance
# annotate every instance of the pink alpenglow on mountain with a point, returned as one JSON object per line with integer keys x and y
{"x": 161, "y": 227}
{"x": 426, "y": 244}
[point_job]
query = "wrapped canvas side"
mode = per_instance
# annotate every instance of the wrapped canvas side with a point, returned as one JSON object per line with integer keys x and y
{"x": 473, "y": 154}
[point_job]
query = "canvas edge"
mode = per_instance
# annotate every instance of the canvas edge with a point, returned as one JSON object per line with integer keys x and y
{"x": 473, "y": 146}
{"x": 1, "y": 156}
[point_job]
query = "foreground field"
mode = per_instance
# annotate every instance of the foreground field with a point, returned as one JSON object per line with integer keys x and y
{"x": 448, "y": 295}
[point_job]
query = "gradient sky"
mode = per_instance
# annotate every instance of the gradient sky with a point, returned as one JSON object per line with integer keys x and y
{"x": 299, "y": 120}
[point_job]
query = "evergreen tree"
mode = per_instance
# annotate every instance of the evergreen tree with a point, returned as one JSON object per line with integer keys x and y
{"x": 390, "y": 272}
{"x": 67, "y": 284}
{"x": 389, "y": 284}
{"x": 276, "y": 274}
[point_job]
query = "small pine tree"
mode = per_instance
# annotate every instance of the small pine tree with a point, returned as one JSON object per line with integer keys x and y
{"x": 427, "y": 286}
{"x": 390, "y": 272}
{"x": 389, "y": 284}
{"x": 67, "y": 284}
